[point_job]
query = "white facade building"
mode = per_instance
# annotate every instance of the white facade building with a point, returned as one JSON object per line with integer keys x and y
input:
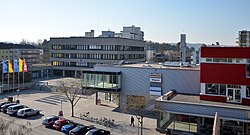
{"x": 133, "y": 33}
{"x": 90, "y": 34}
{"x": 244, "y": 38}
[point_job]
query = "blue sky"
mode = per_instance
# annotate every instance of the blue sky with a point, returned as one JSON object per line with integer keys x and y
{"x": 204, "y": 21}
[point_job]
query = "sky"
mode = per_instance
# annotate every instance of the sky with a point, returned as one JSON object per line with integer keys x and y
{"x": 203, "y": 21}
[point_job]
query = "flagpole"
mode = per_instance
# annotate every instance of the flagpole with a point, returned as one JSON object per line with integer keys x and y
{"x": 8, "y": 81}
{"x": 23, "y": 73}
{"x": 2, "y": 82}
{"x": 13, "y": 80}
{"x": 18, "y": 81}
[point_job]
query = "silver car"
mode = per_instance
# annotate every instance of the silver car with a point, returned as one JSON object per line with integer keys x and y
{"x": 12, "y": 110}
{"x": 27, "y": 112}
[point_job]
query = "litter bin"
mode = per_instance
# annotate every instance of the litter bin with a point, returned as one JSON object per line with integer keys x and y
{"x": 17, "y": 101}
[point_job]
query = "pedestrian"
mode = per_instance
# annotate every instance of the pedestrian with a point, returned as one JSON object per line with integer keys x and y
{"x": 132, "y": 121}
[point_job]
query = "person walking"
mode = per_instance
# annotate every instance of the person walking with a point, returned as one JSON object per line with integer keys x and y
{"x": 132, "y": 121}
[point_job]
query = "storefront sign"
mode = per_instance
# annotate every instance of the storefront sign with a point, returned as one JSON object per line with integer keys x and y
{"x": 155, "y": 88}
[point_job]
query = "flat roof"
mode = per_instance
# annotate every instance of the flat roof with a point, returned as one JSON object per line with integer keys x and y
{"x": 158, "y": 66}
{"x": 195, "y": 99}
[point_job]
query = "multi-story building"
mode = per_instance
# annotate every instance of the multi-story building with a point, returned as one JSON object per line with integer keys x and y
{"x": 108, "y": 34}
{"x": 185, "y": 99}
{"x": 244, "y": 38}
{"x": 30, "y": 53}
{"x": 225, "y": 88}
{"x": 133, "y": 33}
{"x": 69, "y": 56}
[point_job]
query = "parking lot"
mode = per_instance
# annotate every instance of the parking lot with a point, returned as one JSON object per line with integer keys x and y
{"x": 50, "y": 104}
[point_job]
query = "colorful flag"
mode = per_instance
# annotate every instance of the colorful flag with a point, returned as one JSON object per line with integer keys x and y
{"x": 20, "y": 61}
{"x": 10, "y": 67}
{"x": 5, "y": 67}
{"x": 25, "y": 69}
{"x": 16, "y": 68}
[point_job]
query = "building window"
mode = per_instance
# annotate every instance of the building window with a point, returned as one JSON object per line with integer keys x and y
{"x": 248, "y": 91}
{"x": 211, "y": 89}
{"x": 223, "y": 89}
{"x": 209, "y": 59}
{"x": 248, "y": 70}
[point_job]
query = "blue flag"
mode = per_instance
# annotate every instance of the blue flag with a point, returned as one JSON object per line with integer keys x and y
{"x": 16, "y": 68}
{"x": 5, "y": 67}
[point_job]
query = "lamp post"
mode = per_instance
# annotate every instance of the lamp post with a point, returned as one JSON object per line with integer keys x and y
{"x": 138, "y": 118}
{"x": 61, "y": 105}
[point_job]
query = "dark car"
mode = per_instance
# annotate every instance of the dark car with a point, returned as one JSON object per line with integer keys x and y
{"x": 3, "y": 103}
{"x": 80, "y": 130}
{"x": 97, "y": 132}
{"x": 5, "y": 107}
{"x": 49, "y": 121}
{"x": 60, "y": 123}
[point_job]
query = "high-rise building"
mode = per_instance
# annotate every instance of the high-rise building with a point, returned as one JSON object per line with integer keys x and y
{"x": 183, "y": 49}
{"x": 244, "y": 38}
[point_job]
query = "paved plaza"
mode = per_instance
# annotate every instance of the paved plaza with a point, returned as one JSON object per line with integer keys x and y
{"x": 50, "y": 104}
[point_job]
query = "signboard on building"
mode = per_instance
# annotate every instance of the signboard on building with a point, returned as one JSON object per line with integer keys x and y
{"x": 155, "y": 88}
{"x": 134, "y": 101}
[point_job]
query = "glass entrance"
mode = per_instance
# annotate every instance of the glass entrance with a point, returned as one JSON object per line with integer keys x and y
{"x": 234, "y": 95}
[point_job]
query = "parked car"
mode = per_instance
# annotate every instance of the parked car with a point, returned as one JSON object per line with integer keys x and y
{"x": 66, "y": 128}
{"x": 97, "y": 132}
{"x": 80, "y": 130}
{"x": 50, "y": 120}
{"x": 12, "y": 110}
{"x": 59, "y": 123}
{"x": 5, "y": 107}
{"x": 25, "y": 112}
{"x": 3, "y": 103}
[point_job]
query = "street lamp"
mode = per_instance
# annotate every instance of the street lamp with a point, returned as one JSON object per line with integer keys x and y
{"x": 61, "y": 112}
{"x": 138, "y": 117}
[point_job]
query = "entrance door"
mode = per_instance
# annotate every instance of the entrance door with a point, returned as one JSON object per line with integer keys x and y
{"x": 234, "y": 95}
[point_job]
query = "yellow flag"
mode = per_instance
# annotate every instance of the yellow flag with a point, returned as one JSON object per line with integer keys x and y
{"x": 20, "y": 65}
{"x": 10, "y": 67}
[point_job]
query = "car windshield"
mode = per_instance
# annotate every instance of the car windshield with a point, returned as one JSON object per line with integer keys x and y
{"x": 57, "y": 123}
{"x": 77, "y": 128}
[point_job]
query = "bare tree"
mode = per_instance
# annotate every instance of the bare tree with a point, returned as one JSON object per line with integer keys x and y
{"x": 6, "y": 127}
{"x": 137, "y": 104}
{"x": 72, "y": 90}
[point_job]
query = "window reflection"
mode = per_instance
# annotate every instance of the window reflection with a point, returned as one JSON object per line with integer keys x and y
{"x": 102, "y": 80}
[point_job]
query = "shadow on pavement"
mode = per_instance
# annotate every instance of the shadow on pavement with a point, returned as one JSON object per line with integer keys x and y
{"x": 35, "y": 117}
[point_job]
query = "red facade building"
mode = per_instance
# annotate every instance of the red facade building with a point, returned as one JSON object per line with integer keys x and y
{"x": 225, "y": 74}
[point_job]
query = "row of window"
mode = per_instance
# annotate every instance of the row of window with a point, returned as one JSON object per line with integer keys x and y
{"x": 73, "y": 64}
{"x": 98, "y": 47}
{"x": 98, "y": 56}
{"x": 216, "y": 89}
{"x": 226, "y": 60}
{"x": 220, "y": 89}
